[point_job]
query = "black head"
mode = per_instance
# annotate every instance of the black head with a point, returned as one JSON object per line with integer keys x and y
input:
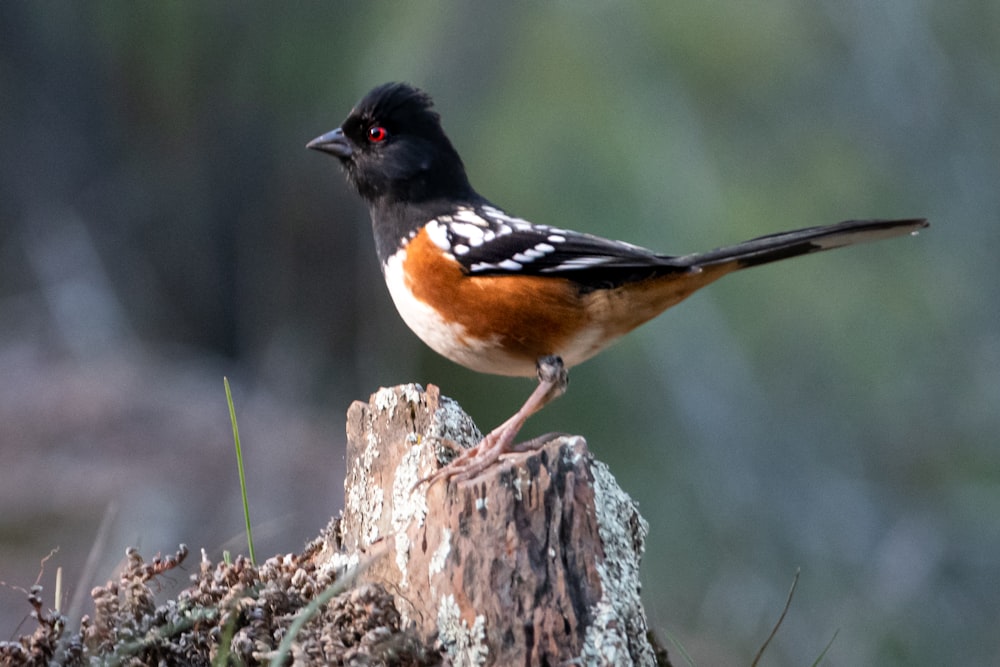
{"x": 395, "y": 151}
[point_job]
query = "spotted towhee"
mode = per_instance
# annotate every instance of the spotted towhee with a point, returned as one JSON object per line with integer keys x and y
{"x": 502, "y": 295}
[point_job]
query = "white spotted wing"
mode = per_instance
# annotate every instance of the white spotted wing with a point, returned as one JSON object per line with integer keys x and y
{"x": 487, "y": 241}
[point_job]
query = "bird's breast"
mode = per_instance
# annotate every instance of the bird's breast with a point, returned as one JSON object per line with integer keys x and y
{"x": 491, "y": 324}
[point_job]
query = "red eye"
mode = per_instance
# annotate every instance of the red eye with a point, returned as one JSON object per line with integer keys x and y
{"x": 377, "y": 134}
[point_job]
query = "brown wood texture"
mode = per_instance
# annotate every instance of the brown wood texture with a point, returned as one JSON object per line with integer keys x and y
{"x": 533, "y": 562}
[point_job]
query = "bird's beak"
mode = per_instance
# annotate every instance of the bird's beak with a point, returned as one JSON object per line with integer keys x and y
{"x": 334, "y": 143}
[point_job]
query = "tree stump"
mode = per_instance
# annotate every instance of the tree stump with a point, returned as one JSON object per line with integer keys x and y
{"x": 533, "y": 562}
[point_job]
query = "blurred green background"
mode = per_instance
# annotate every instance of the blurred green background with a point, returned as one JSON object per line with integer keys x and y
{"x": 162, "y": 225}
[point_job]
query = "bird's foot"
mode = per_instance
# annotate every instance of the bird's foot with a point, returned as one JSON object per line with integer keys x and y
{"x": 552, "y": 381}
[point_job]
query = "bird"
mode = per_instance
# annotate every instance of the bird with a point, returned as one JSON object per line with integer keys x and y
{"x": 501, "y": 295}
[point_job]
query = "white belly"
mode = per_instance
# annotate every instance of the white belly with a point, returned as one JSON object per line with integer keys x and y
{"x": 448, "y": 339}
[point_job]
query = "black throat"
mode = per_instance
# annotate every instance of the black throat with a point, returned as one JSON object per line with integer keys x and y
{"x": 394, "y": 221}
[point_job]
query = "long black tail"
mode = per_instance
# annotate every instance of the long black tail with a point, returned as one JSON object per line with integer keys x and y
{"x": 783, "y": 245}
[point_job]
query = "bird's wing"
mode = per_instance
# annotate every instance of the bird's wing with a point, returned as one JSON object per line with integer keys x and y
{"x": 487, "y": 241}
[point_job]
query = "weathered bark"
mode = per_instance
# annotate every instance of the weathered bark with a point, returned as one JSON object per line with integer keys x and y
{"x": 535, "y": 561}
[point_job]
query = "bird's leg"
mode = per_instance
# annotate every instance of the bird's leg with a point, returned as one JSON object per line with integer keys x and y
{"x": 552, "y": 380}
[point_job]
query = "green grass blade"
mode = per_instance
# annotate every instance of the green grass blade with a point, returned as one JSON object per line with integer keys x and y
{"x": 781, "y": 619}
{"x": 680, "y": 647}
{"x": 239, "y": 463}
{"x": 316, "y": 605}
{"x": 823, "y": 654}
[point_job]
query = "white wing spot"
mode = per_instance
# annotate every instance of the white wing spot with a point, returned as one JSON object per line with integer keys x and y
{"x": 557, "y": 238}
{"x": 579, "y": 263}
{"x": 509, "y": 265}
{"x": 531, "y": 254}
{"x": 467, "y": 215}
{"x": 467, "y": 229}
{"x": 438, "y": 234}
{"x": 500, "y": 218}
{"x": 461, "y": 249}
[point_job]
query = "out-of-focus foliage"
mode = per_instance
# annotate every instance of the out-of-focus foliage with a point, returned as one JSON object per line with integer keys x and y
{"x": 160, "y": 217}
